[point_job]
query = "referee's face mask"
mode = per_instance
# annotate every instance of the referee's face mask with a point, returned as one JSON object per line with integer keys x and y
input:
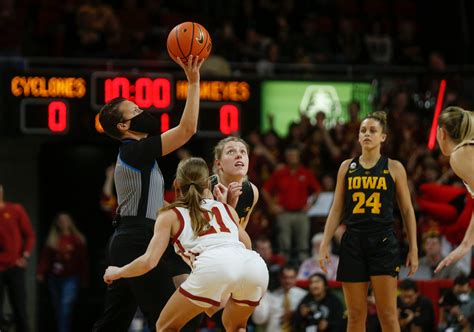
{"x": 144, "y": 122}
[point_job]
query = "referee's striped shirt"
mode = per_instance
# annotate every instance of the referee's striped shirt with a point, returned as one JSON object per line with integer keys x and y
{"x": 138, "y": 179}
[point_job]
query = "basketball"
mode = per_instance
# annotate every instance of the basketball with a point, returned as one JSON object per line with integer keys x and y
{"x": 189, "y": 38}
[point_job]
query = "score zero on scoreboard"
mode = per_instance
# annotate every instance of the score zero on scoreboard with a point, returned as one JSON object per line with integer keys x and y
{"x": 44, "y": 108}
{"x": 48, "y": 102}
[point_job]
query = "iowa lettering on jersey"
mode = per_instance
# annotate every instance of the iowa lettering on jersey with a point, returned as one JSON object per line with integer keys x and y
{"x": 367, "y": 182}
{"x": 362, "y": 202}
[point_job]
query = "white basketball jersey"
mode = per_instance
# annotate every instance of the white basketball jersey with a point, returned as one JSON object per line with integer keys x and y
{"x": 222, "y": 231}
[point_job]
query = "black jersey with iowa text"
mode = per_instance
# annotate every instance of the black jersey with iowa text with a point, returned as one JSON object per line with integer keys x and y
{"x": 369, "y": 196}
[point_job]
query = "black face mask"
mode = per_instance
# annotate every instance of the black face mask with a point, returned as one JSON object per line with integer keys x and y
{"x": 145, "y": 123}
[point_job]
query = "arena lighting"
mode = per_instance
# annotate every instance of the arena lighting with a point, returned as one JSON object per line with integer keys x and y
{"x": 434, "y": 125}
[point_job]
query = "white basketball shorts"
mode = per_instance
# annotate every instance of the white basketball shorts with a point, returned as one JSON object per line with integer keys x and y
{"x": 218, "y": 272}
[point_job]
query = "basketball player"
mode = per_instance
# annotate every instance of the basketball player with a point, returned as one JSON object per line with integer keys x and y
{"x": 456, "y": 139}
{"x": 139, "y": 185}
{"x": 229, "y": 182}
{"x": 369, "y": 249}
{"x": 206, "y": 234}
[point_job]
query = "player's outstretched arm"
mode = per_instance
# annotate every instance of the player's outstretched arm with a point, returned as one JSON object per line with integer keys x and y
{"x": 152, "y": 256}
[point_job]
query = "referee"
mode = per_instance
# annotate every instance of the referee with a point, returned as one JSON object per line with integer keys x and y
{"x": 140, "y": 187}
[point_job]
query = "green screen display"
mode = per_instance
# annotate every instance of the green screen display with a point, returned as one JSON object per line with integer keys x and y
{"x": 285, "y": 100}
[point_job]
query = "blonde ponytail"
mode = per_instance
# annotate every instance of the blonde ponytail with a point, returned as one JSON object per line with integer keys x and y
{"x": 458, "y": 123}
{"x": 466, "y": 129}
{"x": 192, "y": 176}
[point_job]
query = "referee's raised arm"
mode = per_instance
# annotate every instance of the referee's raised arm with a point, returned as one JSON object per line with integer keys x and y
{"x": 179, "y": 135}
{"x": 140, "y": 189}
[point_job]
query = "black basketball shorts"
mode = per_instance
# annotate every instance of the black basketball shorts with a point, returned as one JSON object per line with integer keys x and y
{"x": 363, "y": 255}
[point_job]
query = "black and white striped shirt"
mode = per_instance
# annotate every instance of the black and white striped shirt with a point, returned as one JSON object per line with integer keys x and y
{"x": 138, "y": 179}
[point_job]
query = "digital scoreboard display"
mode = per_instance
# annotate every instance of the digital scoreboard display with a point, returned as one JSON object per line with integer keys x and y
{"x": 59, "y": 103}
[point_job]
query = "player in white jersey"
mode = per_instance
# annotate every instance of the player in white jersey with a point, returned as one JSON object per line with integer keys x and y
{"x": 207, "y": 234}
{"x": 456, "y": 139}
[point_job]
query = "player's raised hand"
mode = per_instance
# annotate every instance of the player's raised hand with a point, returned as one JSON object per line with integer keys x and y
{"x": 191, "y": 67}
{"x": 233, "y": 193}
{"x": 220, "y": 193}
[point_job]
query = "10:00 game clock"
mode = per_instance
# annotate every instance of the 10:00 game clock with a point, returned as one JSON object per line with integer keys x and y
{"x": 59, "y": 103}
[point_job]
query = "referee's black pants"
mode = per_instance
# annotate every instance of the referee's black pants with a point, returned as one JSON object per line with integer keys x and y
{"x": 150, "y": 291}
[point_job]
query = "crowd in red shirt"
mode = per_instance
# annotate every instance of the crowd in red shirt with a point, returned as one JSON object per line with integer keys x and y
{"x": 17, "y": 234}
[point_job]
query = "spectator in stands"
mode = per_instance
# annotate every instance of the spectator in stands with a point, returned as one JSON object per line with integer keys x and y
{"x": 321, "y": 151}
{"x": 98, "y": 28}
{"x": 462, "y": 289}
{"x": 276, "y": 308}
{"x": 433, "y": 255}
{"x": 267, "y": 65}
{"x": 275, "y": 262}
{"x": 351, "y": 127}
{"x": 320, "y": 309}
{"x": 11, "y": 43}
{"x": 311, "y": 266}
{"x": 415, "y": 311}
{"x": 262, "y": 160}
{"x": 226, "y": 43}
{"x": 408, "y": 48}
{"x": 7, "y": 251}
{"x": 64, "y": 262}
{"x": 252, "y": 48}
{"x": 451, "y": 206}
{"x": 15, "y": 224}
{"x": 379, "y": 44}
{"x": 456, "y": 310}
{"x": 295, "y": 135}
{"x": 349, "y": 43}
{"x": 272, "y": 142}
{"x": 289, "y": 192}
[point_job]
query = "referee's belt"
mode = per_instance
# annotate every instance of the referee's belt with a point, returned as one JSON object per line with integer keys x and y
{"x": 121, "y": 221}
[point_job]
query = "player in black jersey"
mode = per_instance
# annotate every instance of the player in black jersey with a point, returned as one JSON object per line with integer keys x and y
{"x": 229, "y": 182}
{"x": 456, "y": 139}
{"x": 140, "y": 188}
{"x": 369, "y": 249}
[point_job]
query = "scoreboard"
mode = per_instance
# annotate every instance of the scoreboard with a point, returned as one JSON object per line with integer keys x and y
{"x": 67, "y": 103}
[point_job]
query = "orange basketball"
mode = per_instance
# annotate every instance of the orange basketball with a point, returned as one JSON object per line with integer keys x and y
{"x": 189, "y": 38}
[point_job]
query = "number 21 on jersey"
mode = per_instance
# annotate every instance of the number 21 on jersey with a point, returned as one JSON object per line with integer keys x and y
{"x": 221, "y": 225}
